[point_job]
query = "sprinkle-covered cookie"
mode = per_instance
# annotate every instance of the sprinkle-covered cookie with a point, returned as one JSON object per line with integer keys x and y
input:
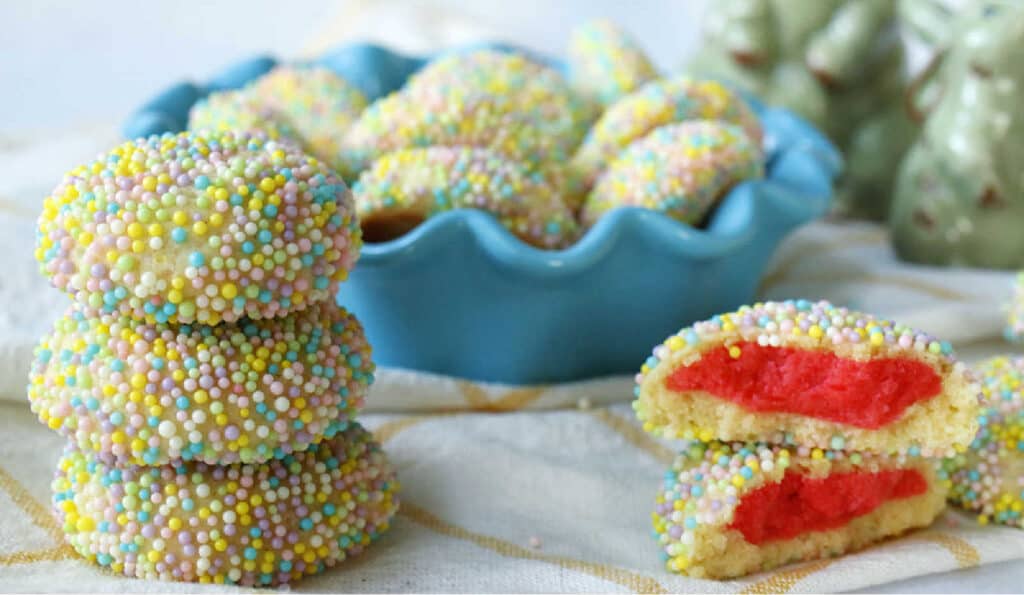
{"x": 199, "y": 227}
{"x": 404, "y": 188}
{"x": 730, "y": 509}
{"x": 253, "y": 525}
{"x": 310, "y": 105}
{"x": 655, "y": 104}
{"x": 238, "y": 110}
{"x": 146, "y": 394}
{"x": 522, "y": 86}
{"x": 1015, "y": 323}
{"x": 811, "y": 374}
{"x": 681, "y": 170}
{"x": 398, "y": 122}
{"x": 988, "y": 478}
{"x": 605, "y": 63}
{"x": 318, "y": 106}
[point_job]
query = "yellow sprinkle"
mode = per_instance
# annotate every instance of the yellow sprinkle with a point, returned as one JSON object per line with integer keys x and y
{"x": 734, "y": 352}
{"x": 85, "y": 523}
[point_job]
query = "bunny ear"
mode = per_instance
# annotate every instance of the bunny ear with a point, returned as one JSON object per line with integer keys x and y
{"x": 924, "y": 87}
{"x": 840, "y": 52}
{"x": 929, "y": 21}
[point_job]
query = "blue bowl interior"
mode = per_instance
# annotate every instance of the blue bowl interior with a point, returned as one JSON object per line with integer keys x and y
{"x": 460, "y": 295}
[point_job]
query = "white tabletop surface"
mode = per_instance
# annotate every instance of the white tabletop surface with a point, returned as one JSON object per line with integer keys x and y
{"x": 66, "y": 64}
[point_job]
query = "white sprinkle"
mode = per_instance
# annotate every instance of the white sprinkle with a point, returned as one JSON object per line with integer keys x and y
{"x": 166, "y": 428}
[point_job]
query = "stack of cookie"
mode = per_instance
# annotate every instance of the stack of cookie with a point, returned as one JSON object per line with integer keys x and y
{"x": 812, "y": 430}
{"x": 204, "y": 377}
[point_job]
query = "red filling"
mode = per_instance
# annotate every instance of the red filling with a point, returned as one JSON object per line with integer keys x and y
{"x": 866, "y": 394}
{"x": 799, "y": 504}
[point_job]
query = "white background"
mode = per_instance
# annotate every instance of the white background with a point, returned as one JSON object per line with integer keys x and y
{"x": 70, "y": 63}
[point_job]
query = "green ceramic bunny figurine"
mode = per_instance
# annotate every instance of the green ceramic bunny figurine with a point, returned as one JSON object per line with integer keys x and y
{"x": 960, "y": 193}
{"x": 839, "y": 63}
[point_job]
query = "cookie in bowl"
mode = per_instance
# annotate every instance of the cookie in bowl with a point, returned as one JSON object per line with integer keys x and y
{"x": 404, "y": 188}
{"x": 308, "y": 104}
{"x": 485, "y": 99}
{"x": 657, "y": 103}
{"x": 681, "y": 170}
{"x": 605, "y": 63}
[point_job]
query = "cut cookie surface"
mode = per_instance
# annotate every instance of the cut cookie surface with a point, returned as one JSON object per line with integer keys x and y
{"x": 727, "y": 510}
{"x": 812, "y": 374}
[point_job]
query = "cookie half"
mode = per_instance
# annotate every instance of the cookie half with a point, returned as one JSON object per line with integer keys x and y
{"x": 812, "y": 374}
{"x": 727, "y": 510}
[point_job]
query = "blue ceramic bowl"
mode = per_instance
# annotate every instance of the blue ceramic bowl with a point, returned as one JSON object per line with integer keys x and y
{"x": 460, "y": 295}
